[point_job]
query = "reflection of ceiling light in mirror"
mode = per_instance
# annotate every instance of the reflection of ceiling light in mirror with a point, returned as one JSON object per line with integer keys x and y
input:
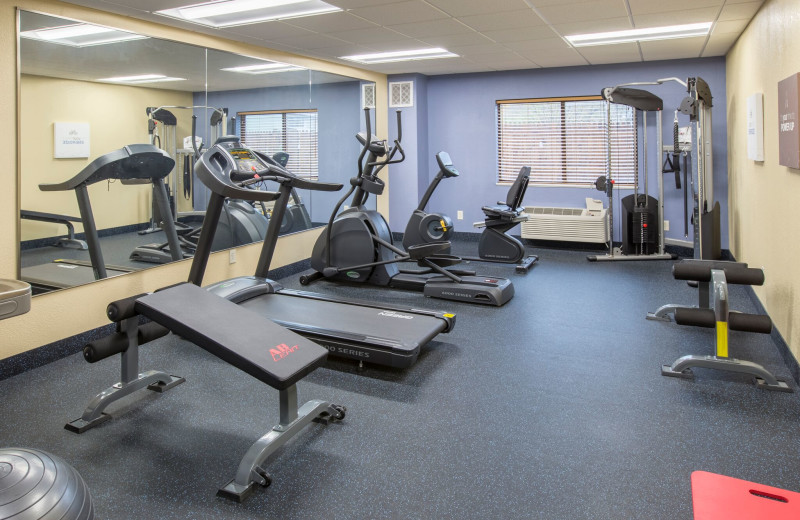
{"x": 640, "y": 35}
{"x": 264, "y": 68}
{"x": 80, "y": 35}
{"x": 389, "y": 57}
{"x": 225, "y": 13}
{"x": 141, "y": 78}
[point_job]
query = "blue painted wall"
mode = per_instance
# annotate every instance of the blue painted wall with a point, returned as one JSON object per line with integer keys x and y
{"x": 461, "y": 119}
{"x": 339, "y": 119}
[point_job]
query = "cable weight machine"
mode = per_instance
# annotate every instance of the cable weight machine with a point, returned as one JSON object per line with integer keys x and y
{"x": 642, "y": 214}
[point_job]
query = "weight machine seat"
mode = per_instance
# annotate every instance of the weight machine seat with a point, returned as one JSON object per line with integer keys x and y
{"x": 512, "y": 208}
{"x": 267, "y": 351}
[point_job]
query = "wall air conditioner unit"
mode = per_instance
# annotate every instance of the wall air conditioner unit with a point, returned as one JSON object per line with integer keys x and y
{"x": 588, "y": 224}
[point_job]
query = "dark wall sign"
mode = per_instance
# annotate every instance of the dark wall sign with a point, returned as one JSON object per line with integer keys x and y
{"x": 788, "y": 123}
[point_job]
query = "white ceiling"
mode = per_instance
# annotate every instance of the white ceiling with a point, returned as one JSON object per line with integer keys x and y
{"x": 487, "y": 35}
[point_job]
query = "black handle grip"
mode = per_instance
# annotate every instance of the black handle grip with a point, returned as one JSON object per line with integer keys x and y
{"x": 695, "y": 317}
{"x": 759, "y": 323}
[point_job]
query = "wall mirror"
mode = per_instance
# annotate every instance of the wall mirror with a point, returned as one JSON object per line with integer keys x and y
{"x": 87, "y": 91}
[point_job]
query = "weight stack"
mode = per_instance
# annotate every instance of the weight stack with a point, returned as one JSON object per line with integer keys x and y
{"x": 638, "y": 238}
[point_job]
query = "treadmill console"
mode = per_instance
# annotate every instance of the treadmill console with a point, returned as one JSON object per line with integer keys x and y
{"x": 244, "y": 161}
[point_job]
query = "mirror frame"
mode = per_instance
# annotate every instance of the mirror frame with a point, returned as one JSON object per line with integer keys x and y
{"x": 179, "y": 35}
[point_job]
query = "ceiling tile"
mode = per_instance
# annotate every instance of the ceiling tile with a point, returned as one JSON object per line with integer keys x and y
{"x": 457, "y": 40}
{"x": 673, "y": 49}
{"x": 476, "y": 50}
{"x": 551, "y": 58}
{"x": 352, "y": 4}
{"x": 368, "y": 36}
{"x": 657, "y": 6}
{"x": 719, "y": 45}
{"x": 744, "y": 11}
{"x": 443, "y": 27}
{"x": 593, "y": 26}
{"x": 621, "y": 53}
{"x": 521, "y": 34}
{"x": 331, "y": 22}
{"x": 268, "y": 31}
{"x": 502, "y": 21}
{"x": 309, "y": 41}
{"x": 730, "y": 27}
{"x": 473, "y": 7}
{"x": 400, "y": 12}
{"x": 539, "y": 45}
{"x": 506, "y": 60}
{"x": 597, "y": 10}
{"x": 706, "y": 14}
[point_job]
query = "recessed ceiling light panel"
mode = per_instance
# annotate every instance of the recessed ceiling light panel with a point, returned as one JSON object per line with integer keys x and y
{"x": 80, "y": 35}
{"x": 226, "y": 13}
{"x": 141, "y": 78}
{"x": 390, "y": 57}
{"x": 264, "y": 68}
{"x": 640, "y": 35}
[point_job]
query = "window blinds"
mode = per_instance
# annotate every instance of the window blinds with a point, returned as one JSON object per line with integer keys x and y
{"x": 564, "y": 141}
{"x": 293, "y": 132}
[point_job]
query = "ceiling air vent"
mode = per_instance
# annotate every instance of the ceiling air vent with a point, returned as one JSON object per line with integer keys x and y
{"x": 401, "y": 94}
{"x": 368, "y": 95}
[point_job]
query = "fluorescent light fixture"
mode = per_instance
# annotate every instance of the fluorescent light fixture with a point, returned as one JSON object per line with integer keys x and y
{"x": 390, "y": 57}
{"x": 225, "y": 13}
{"x": 641, "y": 35}
{"x": 264, "y": 68}
{"x": 141, "y": 78}
{"x": 80, "y": 35}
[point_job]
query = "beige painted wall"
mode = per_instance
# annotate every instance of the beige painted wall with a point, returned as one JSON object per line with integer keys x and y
{"x": 763, "y": 196}
{"x": 116, "y": 118}
{"x": 64, "y": 313}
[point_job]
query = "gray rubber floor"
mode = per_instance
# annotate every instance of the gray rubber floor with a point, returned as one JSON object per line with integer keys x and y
{"x": 550, "y": 407}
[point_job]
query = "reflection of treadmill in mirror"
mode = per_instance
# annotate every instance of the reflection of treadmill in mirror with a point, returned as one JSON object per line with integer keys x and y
{"x": 129, "y": 164}
{"x": 241, "y": 222}
{"x": 296, "y": 217}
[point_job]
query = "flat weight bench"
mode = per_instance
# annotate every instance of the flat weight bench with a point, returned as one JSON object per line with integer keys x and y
{"x": 719, "y": 317}
{"x": 269, "y": 352}
{"x": 69, "y": 242}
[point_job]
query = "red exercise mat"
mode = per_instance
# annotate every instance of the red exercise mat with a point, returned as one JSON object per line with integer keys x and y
{"x": 717, "y": 497}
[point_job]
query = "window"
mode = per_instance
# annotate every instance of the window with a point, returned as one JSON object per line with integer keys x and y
{"x": 564, "y": 140}
{"x": 290, "y": 131}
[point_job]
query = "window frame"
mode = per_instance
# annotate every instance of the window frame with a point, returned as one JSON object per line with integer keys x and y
{"x": 632, "y": 133}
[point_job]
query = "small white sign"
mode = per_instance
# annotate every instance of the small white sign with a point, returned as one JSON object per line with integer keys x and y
{"x": 71, "y": 140}
{"x": 755, "y": 127}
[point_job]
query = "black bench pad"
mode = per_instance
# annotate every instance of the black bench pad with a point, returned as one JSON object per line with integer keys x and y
{"x": 265, "y": 350}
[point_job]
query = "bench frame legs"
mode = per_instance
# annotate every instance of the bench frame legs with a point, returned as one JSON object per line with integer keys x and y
{"x": 251, "y": 470}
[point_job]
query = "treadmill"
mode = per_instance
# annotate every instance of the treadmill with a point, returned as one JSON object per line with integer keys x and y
{"x": 364, "y": 331}
{"x": 131, "y": 165}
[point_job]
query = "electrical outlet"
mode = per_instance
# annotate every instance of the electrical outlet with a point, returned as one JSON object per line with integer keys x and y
{"x": 232, "y": 256}
{"x": 666, "y": 225}
{"x": 460, "y": 215}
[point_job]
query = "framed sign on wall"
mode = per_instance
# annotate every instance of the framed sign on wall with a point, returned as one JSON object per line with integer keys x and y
{"x": 788, "y": 130}
{"x": 71, "y": 140}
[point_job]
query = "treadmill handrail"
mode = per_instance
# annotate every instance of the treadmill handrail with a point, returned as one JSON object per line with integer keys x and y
{"x": 129, "y": 160}
{"x": 293, "y": 180}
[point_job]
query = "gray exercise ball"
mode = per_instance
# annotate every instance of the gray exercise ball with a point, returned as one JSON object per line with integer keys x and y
{"x": 40, "y": 486}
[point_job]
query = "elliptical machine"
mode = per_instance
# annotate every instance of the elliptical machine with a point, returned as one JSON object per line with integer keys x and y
{"x": 357, "y": 246}
{"x": 495, "y": 244}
